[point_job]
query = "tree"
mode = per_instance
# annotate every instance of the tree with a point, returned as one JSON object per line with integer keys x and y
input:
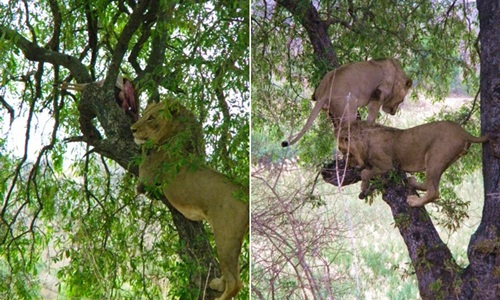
{"x": 434, "y": 38}
{"x": 69, "y": 197}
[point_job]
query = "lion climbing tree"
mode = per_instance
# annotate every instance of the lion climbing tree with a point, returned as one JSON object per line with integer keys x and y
{"x": 438, "y": 275}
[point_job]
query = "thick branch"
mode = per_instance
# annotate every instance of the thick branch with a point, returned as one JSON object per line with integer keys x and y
{"x": 119, "y": 143}
{"x": 431, "y": 258}
{"x": 339, "y": 174}
{"x": 308, "y": 16}
{"x": 134, "y": 22}
{"x": 35, "y": 53}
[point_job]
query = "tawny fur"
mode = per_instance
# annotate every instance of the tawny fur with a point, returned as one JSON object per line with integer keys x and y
{"x": 429, "y": 148}
{"x": 373, "y": 83}
{"x": 174, "y": 162}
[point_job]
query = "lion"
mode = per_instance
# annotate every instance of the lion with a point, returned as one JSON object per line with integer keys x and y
{"x": 171, "y": 137}
{"x": 373, "y": 83}
{"x": 429, "y": 148}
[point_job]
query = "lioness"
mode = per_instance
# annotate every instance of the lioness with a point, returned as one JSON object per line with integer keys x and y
{"x": 171, "y": 136}
{"x": 373, "y": 83}
{"x": 429, "y": 148}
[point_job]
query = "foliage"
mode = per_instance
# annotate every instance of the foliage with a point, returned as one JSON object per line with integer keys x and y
{"x": 71, "y": 212}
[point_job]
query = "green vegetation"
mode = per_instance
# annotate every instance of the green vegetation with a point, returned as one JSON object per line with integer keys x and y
{"x": 71, "y": 223}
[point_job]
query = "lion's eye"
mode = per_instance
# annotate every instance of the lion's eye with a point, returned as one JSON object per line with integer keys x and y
{"x": 151, "y": 118}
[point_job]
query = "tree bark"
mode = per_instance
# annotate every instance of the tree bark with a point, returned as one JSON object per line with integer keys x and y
{"x": 438, "y": 275}
{"x": 483, "y": 273}
{"x": 308, "y": 16}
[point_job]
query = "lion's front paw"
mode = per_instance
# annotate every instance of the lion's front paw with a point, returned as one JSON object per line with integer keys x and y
{"x": 365, "y": 193}
{"x": 217, "y": 284}
{"x": 414, "y": 201}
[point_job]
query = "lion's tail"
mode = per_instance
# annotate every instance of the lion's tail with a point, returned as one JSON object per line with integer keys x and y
{"x": 314, "y": 114}
{"x": 477, "y": 139}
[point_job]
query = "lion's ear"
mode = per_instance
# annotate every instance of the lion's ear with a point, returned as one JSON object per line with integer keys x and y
{"x": 409, "y": 83}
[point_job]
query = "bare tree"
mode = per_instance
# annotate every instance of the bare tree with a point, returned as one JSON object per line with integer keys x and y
{"x": 294, "y": 237}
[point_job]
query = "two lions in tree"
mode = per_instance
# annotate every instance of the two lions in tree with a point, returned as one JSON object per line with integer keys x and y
{"x": 173, "y": 144}
{"x": 429, "y": 148}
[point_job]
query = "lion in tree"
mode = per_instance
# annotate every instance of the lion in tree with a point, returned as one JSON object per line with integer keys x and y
{"x": 373, "y": 83}
{"x": 429, "y": 148}
{"x": 173, "y": 162}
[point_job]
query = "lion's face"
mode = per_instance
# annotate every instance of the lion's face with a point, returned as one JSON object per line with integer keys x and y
{"x": 152, "y": 126}
{"x": 352, "y": 150}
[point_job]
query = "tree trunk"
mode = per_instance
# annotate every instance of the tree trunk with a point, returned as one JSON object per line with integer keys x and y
{"x": 438, "y": 275}
{"x": 483, "y": 273}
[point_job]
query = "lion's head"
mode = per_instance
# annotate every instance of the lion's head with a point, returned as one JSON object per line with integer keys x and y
{"x": 169, "y": 122}
{"x": 400, "y": 88}
{"x": 152, "y": 125}
{"x": 350, "y": 145}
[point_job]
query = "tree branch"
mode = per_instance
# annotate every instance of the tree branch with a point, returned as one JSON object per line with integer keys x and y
{"x": 135, "y": 20}
{"x": 431, "y": 258}
{"x": 308, "y": 16}
{"x": 119, "y": 143}
{"x": 53, "y": 44}
{"x": 92, "y": 36}
{"x": 9, "y": 108}
{"x": 35, "y": 53}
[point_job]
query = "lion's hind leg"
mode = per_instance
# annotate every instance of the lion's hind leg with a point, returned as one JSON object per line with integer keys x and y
{"x": 417, "y": 185}
{"x": 431, "y": 186}
{"x": 228, "y": 250}
{"x": 229, "y": 231}
{"x": 436, "y": 163}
